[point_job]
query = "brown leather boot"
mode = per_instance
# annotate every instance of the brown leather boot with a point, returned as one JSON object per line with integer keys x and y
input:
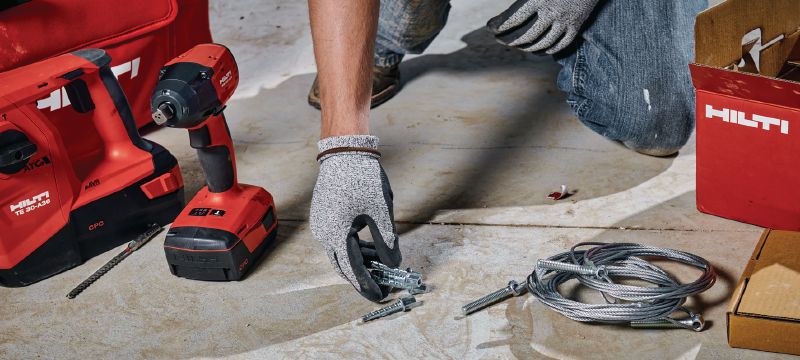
{"x": 385, "y": 84}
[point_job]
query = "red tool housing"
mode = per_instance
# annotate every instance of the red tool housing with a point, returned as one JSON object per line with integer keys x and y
{"x": 227, "y": 226}
{"x": 62, "y": 200}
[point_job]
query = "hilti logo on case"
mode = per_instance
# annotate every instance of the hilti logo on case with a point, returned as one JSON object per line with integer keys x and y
{"x": 58, "y": 98}
{"x": 738, "y": 117}
{"x": 225, "y": 79}
{"x": 28, "y": 205}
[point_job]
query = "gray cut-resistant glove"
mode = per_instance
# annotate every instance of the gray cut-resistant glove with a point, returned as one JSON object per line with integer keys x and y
{"x": 353, "y": 192}
{"x": 541, "y": 25}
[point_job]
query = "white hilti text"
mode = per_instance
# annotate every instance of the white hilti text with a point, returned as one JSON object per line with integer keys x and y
{"x": 738, "y": 117}
{"x": 225, "y": 79}
{"x": 58, "y": 98}
{"x": 25, "y": 206}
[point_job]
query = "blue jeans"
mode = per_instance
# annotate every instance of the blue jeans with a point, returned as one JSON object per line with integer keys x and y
{"x": 626, "y": 77}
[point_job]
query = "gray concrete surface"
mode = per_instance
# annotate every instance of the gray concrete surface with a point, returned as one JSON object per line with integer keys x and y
{"x": 473, "y": 144}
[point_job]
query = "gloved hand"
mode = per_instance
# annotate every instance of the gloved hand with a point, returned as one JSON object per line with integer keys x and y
{"x": 352, "y": 192}
{"x": 541, "y": 25}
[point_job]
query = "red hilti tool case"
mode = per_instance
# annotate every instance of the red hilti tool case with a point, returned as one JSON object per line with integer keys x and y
{"x": 140, "y": 36}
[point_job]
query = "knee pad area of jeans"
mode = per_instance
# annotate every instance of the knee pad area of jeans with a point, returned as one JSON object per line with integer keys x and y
{"x": 658, "y": 120}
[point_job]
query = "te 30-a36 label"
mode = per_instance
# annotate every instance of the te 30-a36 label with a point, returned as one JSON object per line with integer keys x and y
{"x": 28, "y": 205}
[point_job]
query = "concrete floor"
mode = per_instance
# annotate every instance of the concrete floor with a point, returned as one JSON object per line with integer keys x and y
{"x": 473, "y": 144}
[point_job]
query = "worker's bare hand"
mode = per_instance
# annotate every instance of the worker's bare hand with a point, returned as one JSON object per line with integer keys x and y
{"x": 541, "y": 25}
{"x": 353, "y": 192}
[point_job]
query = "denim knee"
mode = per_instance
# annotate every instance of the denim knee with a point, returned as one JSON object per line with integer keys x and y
{"x": 654, "y": 116}
{"x": 655, "y": 119}
{"x": 628, "y": 77}
{"x": 649, "y": 109}
{"x": 408, "y": 27}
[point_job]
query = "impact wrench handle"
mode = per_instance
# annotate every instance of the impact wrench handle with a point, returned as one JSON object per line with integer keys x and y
{"x": 212, "y": 140}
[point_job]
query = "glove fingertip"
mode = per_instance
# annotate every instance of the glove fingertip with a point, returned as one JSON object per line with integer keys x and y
{"x": 495, "y": 23}
{"x": 390, "y": 256}
{"x": 553, "y": 50}
{"x": 370, "y": 289}
{"x": 357, "y": 273}
{"x": 374, "y": 295}
{"x": 568, "y": 38}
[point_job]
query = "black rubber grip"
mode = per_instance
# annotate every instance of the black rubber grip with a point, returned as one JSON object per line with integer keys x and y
{"x": 217, "y": 167}
{"x": 79, "y": 96}
{"x": 99, "y": 57}
{"x": 102, "y": 60}
{"x": 124, "y": 110}
{"x": 199, "y": 138}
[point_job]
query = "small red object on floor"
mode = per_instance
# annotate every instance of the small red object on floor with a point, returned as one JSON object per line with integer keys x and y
{"x": 558, "y": 195}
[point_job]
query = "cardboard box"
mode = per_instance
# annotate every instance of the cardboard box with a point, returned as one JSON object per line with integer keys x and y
{"x": 764, "y": 312}
{"x": 748, "y": 119}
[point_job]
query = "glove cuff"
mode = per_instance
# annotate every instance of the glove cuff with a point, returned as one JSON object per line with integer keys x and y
{"x": 348, "y": 144}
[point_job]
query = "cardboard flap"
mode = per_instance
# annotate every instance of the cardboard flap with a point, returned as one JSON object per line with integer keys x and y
{"x": 774, "y": 286}
{"x": 719, "y": 32}
{"x": 748, "y": 270}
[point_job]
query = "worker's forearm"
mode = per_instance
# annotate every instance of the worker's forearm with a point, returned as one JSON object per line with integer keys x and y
{"x": 344, "y": 42}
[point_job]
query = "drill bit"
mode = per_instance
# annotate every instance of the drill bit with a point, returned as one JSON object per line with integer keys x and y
{"x": 134, "y": 245}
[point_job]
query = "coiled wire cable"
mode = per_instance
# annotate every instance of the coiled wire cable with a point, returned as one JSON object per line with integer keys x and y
{"x": 603, "y": 263}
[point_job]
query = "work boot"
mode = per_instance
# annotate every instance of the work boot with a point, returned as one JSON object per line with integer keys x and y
{"x": 385, "y": 84}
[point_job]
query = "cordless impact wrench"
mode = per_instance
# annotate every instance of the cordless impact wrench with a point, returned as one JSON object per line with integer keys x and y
{"x": 227, "y": 226}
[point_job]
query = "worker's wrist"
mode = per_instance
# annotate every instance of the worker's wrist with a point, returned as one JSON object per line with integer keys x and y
{"x": 361, "y": 144}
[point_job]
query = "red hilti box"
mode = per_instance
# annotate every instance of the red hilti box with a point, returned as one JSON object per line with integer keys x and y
{"x": 748, "y": 112}
{"x": 140, "y": 36}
